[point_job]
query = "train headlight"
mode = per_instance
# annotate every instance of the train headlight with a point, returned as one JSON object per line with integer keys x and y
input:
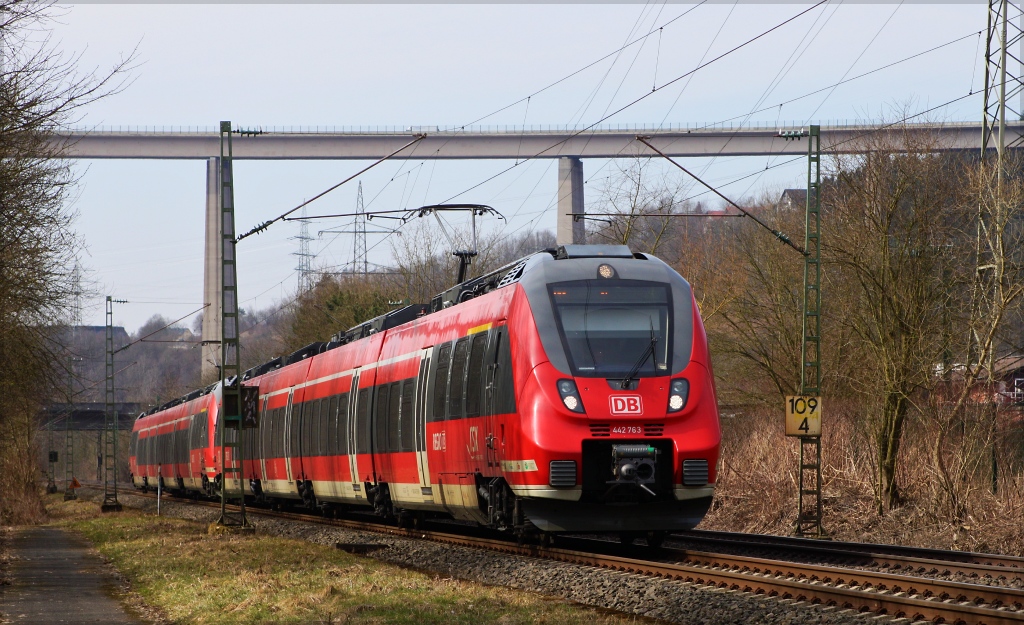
{"x": 570, "y": 395}
{"x": 606, "y": 271}
{"x": 678, "y": 393}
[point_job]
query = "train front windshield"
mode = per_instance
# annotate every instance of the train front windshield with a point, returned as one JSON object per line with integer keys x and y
{"x": 612, "y": 328}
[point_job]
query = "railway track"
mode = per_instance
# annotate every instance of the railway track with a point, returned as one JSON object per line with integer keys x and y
{"x": 915, "y": 597}
{"x": 886, "y": 556}
{"x": 989, "y": 569}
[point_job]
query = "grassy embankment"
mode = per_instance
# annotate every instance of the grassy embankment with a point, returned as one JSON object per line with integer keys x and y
{"x": 190, "y": 576}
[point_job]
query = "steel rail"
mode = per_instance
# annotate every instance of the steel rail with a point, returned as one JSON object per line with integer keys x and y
{"x": 881, "y": 581}
{"x": 897, "y": 596}
{"x": 891, "y": 555}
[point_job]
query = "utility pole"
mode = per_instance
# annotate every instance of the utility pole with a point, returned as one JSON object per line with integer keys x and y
{"x": 69, "y": 438}
{"x": 1000, "y": 89}
{"x": 51, "y": 456}
{"x": 360, "y": 263}
{"x": 359, "y": 234}
{"x": 305, "y": 257}
{"x": 229, "y": 418}
{"x": 808, "y": 521}
{"x": 110, "y": 503}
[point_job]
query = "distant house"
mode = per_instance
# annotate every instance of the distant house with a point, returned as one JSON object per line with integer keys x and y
{"x": 793, "y": 199}
{"x": 89, "y": 334}
{"x": 1009, "y": 376}
{"x": 183, "y": 336}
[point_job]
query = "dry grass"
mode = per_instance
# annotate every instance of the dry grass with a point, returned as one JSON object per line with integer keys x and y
{"x": 190, "y": 576}
{"x": 757, "y": 489}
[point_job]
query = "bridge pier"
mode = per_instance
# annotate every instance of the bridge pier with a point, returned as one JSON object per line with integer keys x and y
{"x": 570, "y": 231}
{"x": 211, "y": 278}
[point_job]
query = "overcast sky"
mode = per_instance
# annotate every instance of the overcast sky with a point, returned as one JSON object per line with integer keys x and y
{"x": 449, "y": 65}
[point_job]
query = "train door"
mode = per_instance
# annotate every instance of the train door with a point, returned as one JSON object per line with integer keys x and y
{"x": 288, "y": 429}
{"x": 351, "y": 433}
{"x": 420, "y": 424}
{"x": 261, "y": 438}
{"x": 495, "y": 435}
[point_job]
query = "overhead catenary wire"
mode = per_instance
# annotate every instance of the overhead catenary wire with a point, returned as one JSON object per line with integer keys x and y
{"x": 859, "y": 57}
{"x": 161, "y": 329}
{"x": 779, "y": 235}
{"x": 582, "y": 69}
{"x": 267, "y": 224}
{"x": 644, "y": 97}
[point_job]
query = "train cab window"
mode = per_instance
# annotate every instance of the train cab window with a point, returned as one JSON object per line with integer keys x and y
{"x": 408, "y": 417}
{"x": 362, "y": 417}
{"x": 457, "y": 388}
{"x": 607, "y": 327}
{"x": 394, "y": 407}
{"x": 475, "y": 374}
{"x": 440, "y": 382}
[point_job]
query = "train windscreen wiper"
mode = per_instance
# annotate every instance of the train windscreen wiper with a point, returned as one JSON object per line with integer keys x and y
{"x": 648, "y": 352}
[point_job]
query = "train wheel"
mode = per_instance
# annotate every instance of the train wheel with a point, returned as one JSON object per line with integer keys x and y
{"x": 655, "y": 538}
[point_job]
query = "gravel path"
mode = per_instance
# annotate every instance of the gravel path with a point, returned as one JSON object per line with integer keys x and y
{"x": 667, "y": 600}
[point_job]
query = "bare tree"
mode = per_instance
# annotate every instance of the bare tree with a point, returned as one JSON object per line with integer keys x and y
{"x": 892, "y": 228}
{"x": 639, "y": 199}
{"x": 41, "y": 92}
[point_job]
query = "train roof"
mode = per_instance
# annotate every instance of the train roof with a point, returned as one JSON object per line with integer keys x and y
{"x": 462, "y": 292}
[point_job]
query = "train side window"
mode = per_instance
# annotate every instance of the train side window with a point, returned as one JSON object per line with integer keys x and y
{"x": 362, "y": 417}
{"x": 440, "y": 382}
{"x": 324, "y": 406}
{"x": 329, "y": 427}
{"x": 270, "y": 431}
{"x": 457, "y": 388}
{"x": 394, "y": 405}
{"x": 503, "y": 392}
{"x": 313, "y": 430}
{"x": 279, "y": 432}
{"x": 295, "y": 447}
{"x": 266, "y": 428}
{"x": 343, "y": 424}
{"x": 181, "y": 445}
{"x": 380, "y": 420}
{"x": 475, "y": 374}
{"x": 408, "y": 417}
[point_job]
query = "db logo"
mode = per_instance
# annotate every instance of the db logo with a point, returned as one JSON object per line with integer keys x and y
{"x": 626, "y": 404}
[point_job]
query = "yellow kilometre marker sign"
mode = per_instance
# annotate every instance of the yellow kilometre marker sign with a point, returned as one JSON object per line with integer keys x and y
{"x": 803, "y": 415}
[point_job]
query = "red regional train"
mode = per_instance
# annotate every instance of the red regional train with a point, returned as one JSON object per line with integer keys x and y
{"x": 570, "y": 391}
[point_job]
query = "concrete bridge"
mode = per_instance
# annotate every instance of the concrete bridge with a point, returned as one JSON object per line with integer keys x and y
{"x": 570, "y": 146}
